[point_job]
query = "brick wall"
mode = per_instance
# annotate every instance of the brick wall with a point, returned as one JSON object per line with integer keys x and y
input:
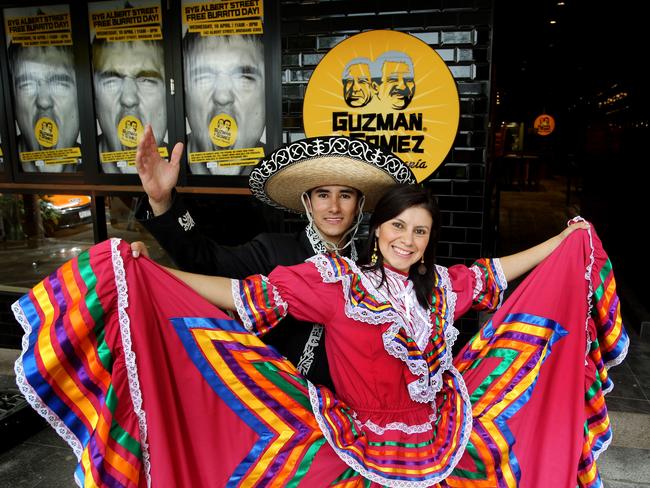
{"x": 461, "y": 33}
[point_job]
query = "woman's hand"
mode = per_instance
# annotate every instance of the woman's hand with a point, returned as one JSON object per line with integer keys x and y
{"x": 573, "y": 227}
{"x": 139, "y": 247}
{"x": 516, "y": 265}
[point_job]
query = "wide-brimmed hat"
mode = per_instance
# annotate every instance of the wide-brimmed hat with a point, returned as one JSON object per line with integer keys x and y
{"x": 284, "y": 175}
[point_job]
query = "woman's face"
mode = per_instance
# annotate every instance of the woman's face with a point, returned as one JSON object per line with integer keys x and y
{"x": 403, "y": 239}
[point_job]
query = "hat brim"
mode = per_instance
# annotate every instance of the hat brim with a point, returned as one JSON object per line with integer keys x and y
{"x": 282, "y": 177}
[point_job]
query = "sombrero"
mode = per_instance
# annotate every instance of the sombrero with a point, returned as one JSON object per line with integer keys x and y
{"x": 284, "y": 175}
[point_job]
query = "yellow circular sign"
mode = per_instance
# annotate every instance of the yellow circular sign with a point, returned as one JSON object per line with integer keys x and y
{"x": 390, "y": 89}
{"x": 544, "y": 125}
{"x": 130, "y": 130}
{"x": 46, "y": 132}
{"x": 223, "y": 130}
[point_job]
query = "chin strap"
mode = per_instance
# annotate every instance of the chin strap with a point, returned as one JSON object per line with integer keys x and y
{"x": 349, "y": 234}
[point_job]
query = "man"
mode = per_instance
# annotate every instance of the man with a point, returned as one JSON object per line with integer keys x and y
{"x": 330, "y": 197}
{"x": 224, "y": 79}
{"x": 357, "y": 83}
{"x": 395, "y": 84}
{"x": 45, "y": 94}
{"x": 129, "y": 81}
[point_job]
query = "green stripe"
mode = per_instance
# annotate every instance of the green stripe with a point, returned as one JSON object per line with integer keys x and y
{"x": 595, "y": 387}
{"x": 507, "y": 356}
{"x": 271, "y": 372}
{"x": 306, "y": 462}
{"x": 118, "y": 434}
{"x": 480, "y": 472}
{"x": 349, "y": 474}
{"x": 604, "y": 272}
{"x": 103, "y": 351}
{"x": 402, "y": 444}
{"x": 94, "y": 308}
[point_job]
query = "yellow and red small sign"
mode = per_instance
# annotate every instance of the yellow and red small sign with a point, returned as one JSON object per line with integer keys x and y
{"x": 544, "y": 125}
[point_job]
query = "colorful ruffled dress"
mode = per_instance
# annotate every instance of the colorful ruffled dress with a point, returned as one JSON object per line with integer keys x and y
{"x": 151, "y": 385}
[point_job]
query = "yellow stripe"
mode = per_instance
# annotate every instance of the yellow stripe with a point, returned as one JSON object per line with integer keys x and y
{"x": 52, "y": 363}
{"x": 204, "y": 339}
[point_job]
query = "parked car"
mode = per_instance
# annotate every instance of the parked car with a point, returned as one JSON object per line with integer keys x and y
{"x": 63, "y": 211}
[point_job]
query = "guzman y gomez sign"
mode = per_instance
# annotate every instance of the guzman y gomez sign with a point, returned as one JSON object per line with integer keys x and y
{"x": 390, "y": 89}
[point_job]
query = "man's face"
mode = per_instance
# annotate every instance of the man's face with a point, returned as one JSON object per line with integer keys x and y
{"x": 397, "y": 84}
{"x": 357, "y": 86}
{"x": 334, "y": 208}
{"x": 225, "y": 78}
{"x": 47, "y": 87}
{"x": 130, "y": 80}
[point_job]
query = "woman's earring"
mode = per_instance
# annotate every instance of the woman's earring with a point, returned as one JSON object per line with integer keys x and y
{"x": 374, "y": 257}
{"x": 422, "y": 269}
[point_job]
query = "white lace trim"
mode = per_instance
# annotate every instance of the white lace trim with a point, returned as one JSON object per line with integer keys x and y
{"x": 425, "y": 388}
{"x": 361, "y": 469}
{"x": 618, "y": 359}
{"x": 478, "y": 281}
{"x": 239, "y": 305}
{"x": 30, "y": 394}
{"x": 401, "y": 426}
{"x": 129, "y": 355}
{"x": 503, "y": 283}
{"x": 318, "y": 245}
{"x": 450, "y": 294}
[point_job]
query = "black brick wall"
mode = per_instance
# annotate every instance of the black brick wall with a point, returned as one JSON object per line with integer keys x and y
{"x": 461, "y": 32}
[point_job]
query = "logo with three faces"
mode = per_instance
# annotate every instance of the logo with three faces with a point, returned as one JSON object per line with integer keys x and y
{"x": 390, "y": 89}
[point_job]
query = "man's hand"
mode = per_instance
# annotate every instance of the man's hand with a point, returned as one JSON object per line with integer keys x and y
{"x": 139, "y": 247}
{"x": 158, "y": 176}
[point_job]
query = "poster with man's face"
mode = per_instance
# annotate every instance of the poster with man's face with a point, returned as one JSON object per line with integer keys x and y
{"x": 223, "y": 62}
{"x": 41, "y": 64}
{"x": 129, "y": 79}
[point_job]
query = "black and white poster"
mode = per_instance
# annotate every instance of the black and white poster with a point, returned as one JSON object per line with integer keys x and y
{"x": 41, "y": 64}
{"x": 223, "y": 62}
{"x": 129, "y": 79}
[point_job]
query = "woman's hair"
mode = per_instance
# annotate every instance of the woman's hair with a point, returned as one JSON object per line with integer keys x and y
{"x": 397, "y": 199}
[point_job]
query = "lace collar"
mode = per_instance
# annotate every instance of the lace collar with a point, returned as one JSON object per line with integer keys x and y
{"x": 409, "y": 335}
{"x": 319, "y": 247}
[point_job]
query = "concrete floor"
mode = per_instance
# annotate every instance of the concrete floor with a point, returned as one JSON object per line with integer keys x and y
{"x": 44, "y": 460}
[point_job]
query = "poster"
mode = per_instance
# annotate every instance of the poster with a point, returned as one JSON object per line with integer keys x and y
{"x": 129, "y": 79}
{"x": 41, "y": 64}
{"x": 223, "y": 63}
{"x": 390, "y": 89}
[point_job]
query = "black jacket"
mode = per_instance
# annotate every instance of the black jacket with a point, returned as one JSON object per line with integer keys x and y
{"x": 192, "y": 251}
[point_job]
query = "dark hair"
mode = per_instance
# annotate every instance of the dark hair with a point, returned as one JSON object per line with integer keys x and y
{"x": 397, "y": 199}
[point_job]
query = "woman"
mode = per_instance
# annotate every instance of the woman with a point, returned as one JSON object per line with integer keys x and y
{"x": 150, "y": 384}
{"x": 389, "y": 327}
